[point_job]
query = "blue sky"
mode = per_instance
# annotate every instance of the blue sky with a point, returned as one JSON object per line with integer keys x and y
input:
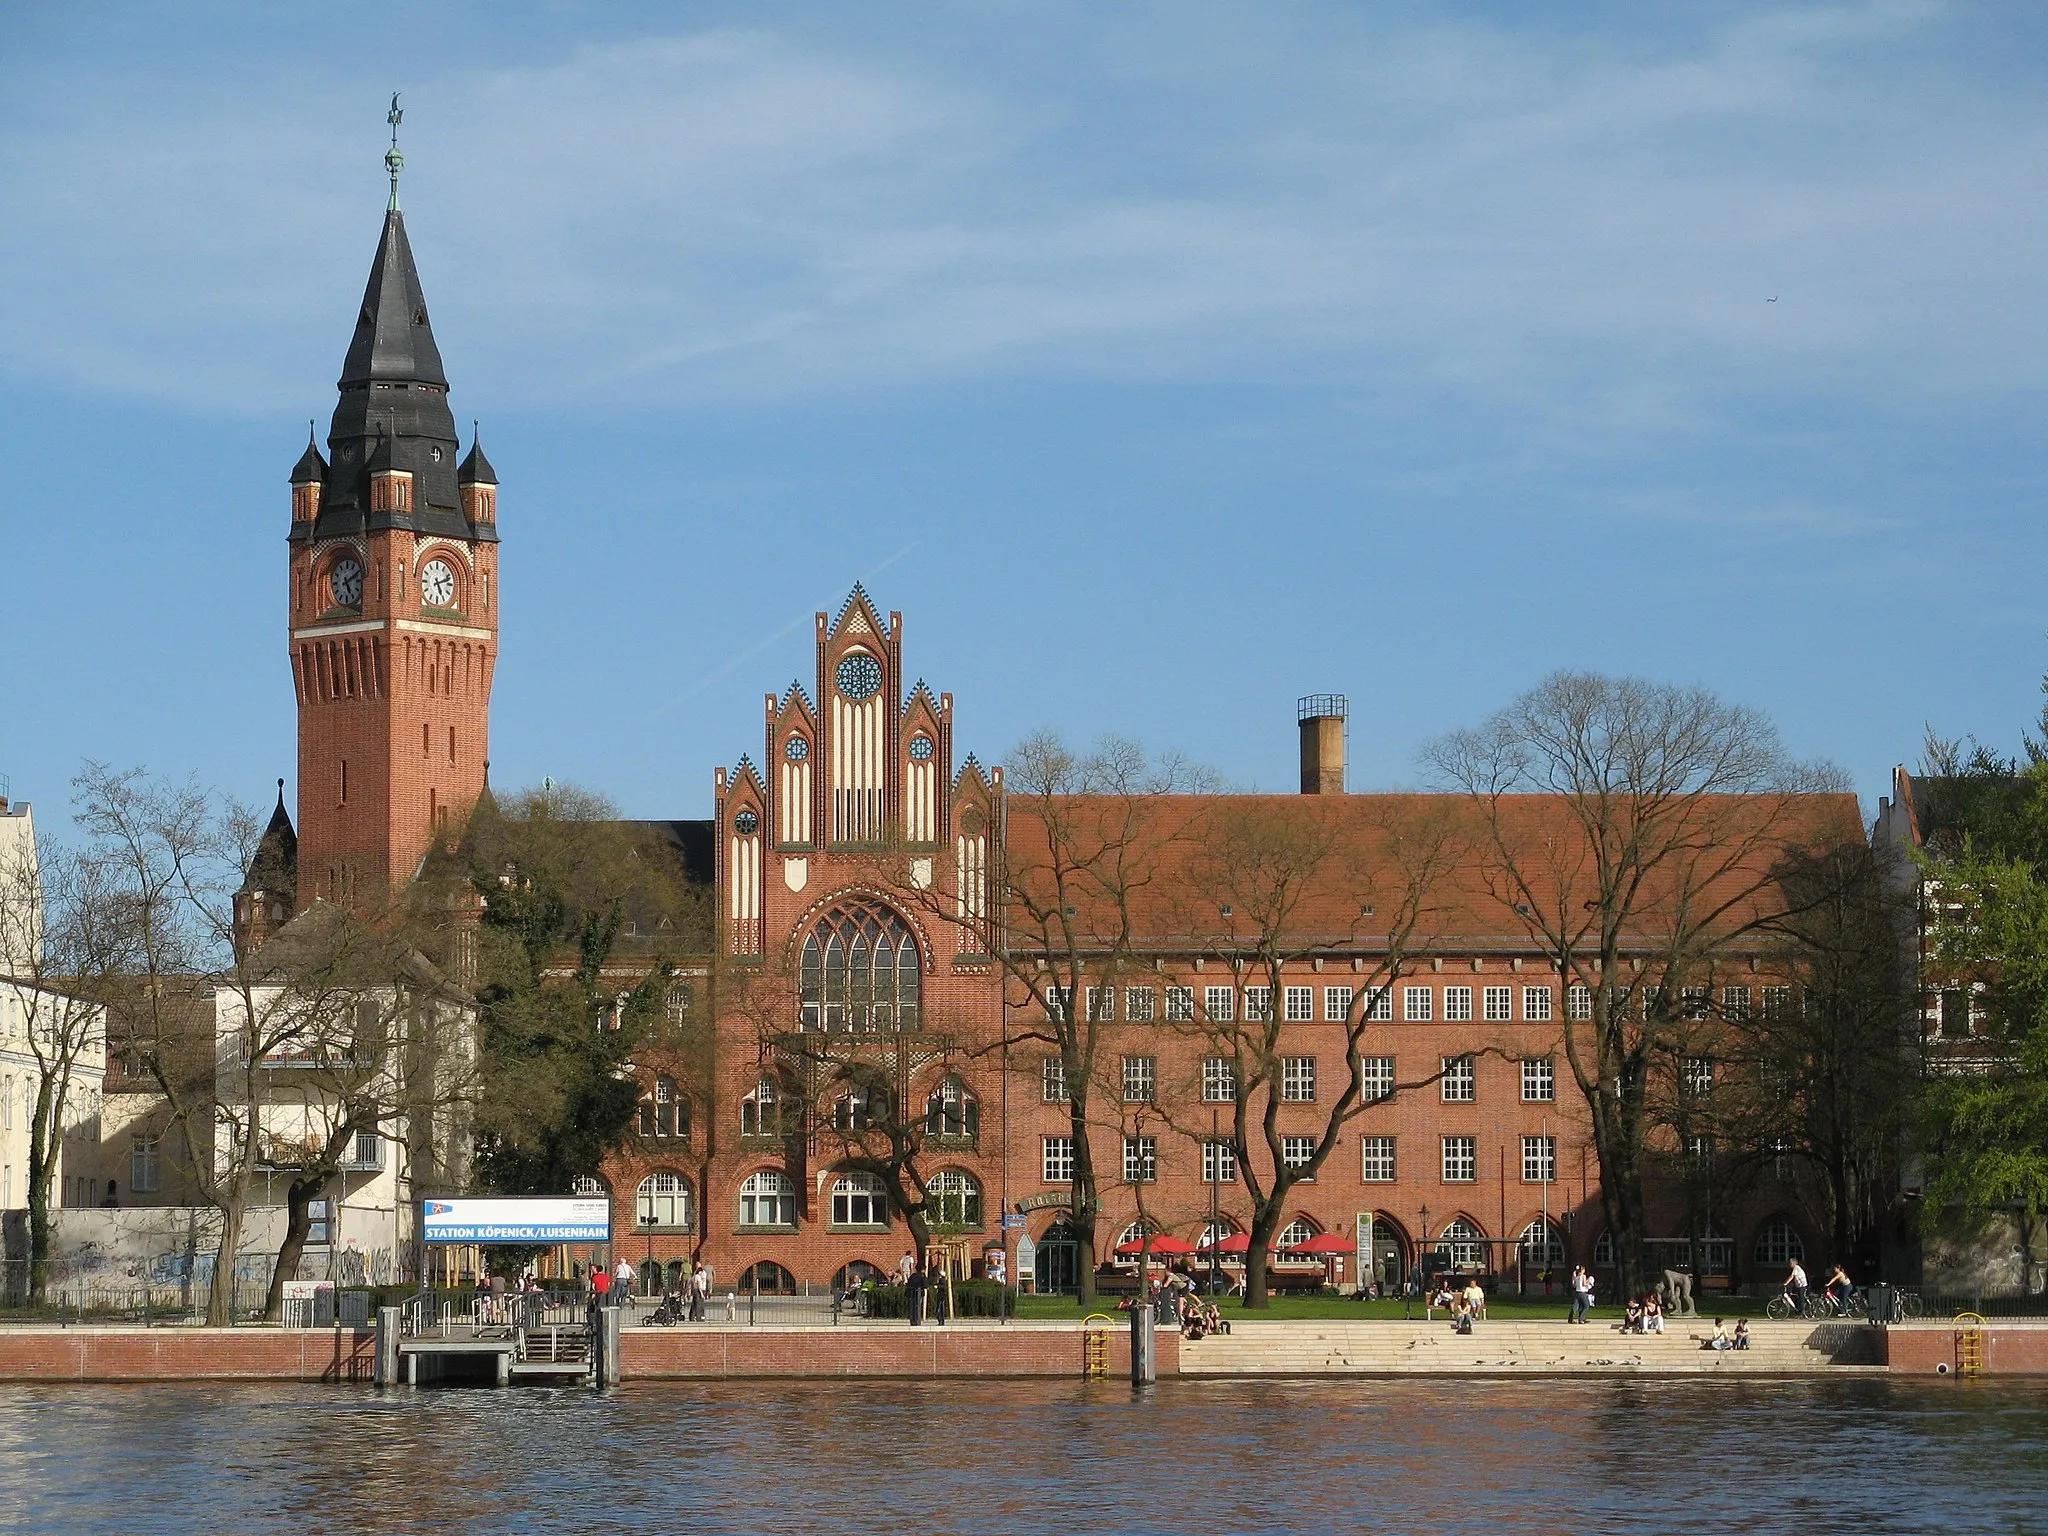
{"x": 1160, "y": 362}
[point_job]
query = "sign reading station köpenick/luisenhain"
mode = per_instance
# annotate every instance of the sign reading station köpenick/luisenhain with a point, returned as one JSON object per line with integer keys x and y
{"x": 516, "y": 1219}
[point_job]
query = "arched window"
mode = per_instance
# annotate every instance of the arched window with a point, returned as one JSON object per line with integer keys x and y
{"x": 768, "y": 1199}
{"x": 664, "y": 1112}
{"x": 769, "y": 1279}
{"x": 1135, "y": 1232}
{"x": 1464, "y": 1243}
{"x": 859, "y": 1200}
{"x": 855, "y": 1273}
{"x": 1542, "y": 1246}
{"x": 588, "y": 1185}
{"x": 953, "y": 1199}
{"x": 860, "y": 1106}
{"x": 1215, "y": 1233}
{"x": 952, "y": 1112}
{"x": 664, "y": 1201}
{"x": 1603, "y": 1251}
{"x": 860, "y": 973}
{"x": 1779, "y": 1243}
{"x": 1298, "y": 1231}
{"x": 761, "y": 1110}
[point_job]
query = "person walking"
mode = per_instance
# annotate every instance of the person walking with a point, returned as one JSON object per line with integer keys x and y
{"x": 913, "y": 1294}
{"x": 700, "y": 1291}
{"x": 622, "y": 1283}
{"x": 1582, "y": 1294}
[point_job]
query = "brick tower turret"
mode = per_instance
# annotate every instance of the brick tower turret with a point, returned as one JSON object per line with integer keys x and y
{"x": 394, "y": 601}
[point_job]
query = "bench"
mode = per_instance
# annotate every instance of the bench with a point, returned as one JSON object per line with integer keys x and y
{"x": 1285, "y": 1283}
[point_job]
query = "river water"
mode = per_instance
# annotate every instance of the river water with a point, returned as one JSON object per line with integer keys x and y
{"x": 931, "y": 1459}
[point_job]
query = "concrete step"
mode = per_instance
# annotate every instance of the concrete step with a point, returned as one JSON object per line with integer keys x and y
{"x": 1320, "y": 1348}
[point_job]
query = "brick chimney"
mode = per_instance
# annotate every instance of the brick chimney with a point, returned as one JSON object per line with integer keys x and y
{"x": 1322, "y": 717}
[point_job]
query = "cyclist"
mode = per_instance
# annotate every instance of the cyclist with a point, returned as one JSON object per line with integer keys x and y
{"x": 1839, "y": 1289}
{"x": 1795, "y": 1288}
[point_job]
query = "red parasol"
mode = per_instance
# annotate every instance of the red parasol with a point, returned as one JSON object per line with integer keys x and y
{"x": 1237, "y": 1242}
{"x": 1321, "y": 1244}
{"x": 1164, "y": 1245}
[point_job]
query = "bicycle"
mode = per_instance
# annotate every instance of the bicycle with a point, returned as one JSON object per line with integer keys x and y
{"x": 1782, "y": 1307}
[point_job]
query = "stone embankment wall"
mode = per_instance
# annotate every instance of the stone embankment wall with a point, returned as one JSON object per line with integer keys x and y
{"x": 1936, "y": 1349}
{"x": 185, "y": 1354}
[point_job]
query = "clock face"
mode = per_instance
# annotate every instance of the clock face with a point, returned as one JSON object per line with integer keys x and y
{"x": 796, "y": 749}
{"x": 437, "y": 583}
{"x": 860, "y": 677}
{"x": 921, "y": 749}
{"x": 346, "y": 581}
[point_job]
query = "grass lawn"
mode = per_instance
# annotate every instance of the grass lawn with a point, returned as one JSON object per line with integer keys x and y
{"x": 1300, "y": 1308}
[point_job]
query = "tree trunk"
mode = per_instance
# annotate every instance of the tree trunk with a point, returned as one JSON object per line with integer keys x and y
{"x": 1260, "y": 1236}
{"x": 1621, "y": 1194}
{"x": 298, "y": 1221}
{"x": 1084, "y": 1203}
{"x": 220, "y": 1298}
{"x": 40, "y": 1167}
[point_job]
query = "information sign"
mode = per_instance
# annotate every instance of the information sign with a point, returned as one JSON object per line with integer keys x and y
{"x": 516, "y": 1219}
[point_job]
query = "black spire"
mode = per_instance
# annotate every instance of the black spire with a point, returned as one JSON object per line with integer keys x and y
{"x": 476, "y": 469}
{"x": 275, "y": 866}
{"x": 311, "y": 468}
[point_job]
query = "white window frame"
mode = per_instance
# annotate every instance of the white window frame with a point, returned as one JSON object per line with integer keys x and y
{"x": 852, "y": 1189}
{"x": 1379, "y": 1008}
{"x": 673, "y": 1198}
{"x": 1418, "y": 1004}
{"x": 1180, "y": 1005}
{"x": 1219, "y": 1080}
{"x": 1578, "y": 1003}
{"x": 1536, "y": 1002}
{"x": 1376, "y": 1078}
{"x": 1056, "y": 1160}
{"x": 1461, "y": 1159}
{"x": 1102, "y": 1005}
{"x": 1258, "y": 1005}
{"x": 1376, "y": 1164}
{"x": 1141, "y": 1005}
{"x": 1055, "y": 1081}
{"x": 1539, "y": 1159}
{"x": 1539, "y": 1080}
{"x": 1498, "y": 1004}
{"x": 1219, "y": 1004}
{"x": 770, "y": 1190}
{"x": 1337, "y": 1004}
{"x": 1460, "y": 1080}
{"x": 1141, "y": 1159}
{"x": 1219, "y": 1161}
{"x": 1295, "y": 1151}
{"x": 1297, "y": 1079}
{"x": 1141, "y": 1079}
{"x": 1457, "y": 1005}
{"x": 1058, "y": 1003}
{"x": 1301, "y": 1005}
{"x": 1696, "y": 1075}
{"x": 1735, "y": 1004}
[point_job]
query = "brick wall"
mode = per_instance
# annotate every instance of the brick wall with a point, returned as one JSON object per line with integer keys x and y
{"x": 2011, "y": 1349}
{"x": 185, "y": 1354}
{"x": 1018, "y": 1350}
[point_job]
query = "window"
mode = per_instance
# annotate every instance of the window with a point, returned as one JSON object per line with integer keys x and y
{"x": 1135, "y": 1234}
{"x": 1955, "y": 1014}
{"x": 1542, "y": 1247}
{"x": 1057, "y": 1002}
{"x": 1700, "y": 1150}
{"x": 1379, "y": 1008}
{"x": 1219, "y": 1162}
{"x": 1578, "y": 1005}
{"x": 1735, "y": 1004}
{"x": 662, "y": 1112}
{"x": 1461, "y": 1160}
{"x": 1297, "y": 1079}
{"x": 590, "y": 1187}
{"x": 1141, "y": 1005}
{"x": 1778, "y": 1003}
{"x": 1215, "y": 1232}
{"x": 1180, "y": 1005}
{"x": 952, "y": 1111}
{"x": 1219, "y": 1080}
{"x": 1301, "y": 1004}
{"x": 1460, "y": 1080}
{"x": 1695, "y": 1003}
{"x": 1377, "y": 1160}
{"x": 1058, "y": 1163}
{"x": 768, "y": 1278}
{"x": 768, "y": 1199}
{"x": 1536, "y": 1004}
{"x": 1337, "y": 1003}
{"x": 678, "y": 1001}
{"x": 1539, "y": 1159}
{"x": 1141, "y": 1079}
{"x": 1258, "y": 1005}
{"x": 761, "y": 1110}
{"x": 1457, "y": 1003}
{"x": 1464, "y": 1243}
{"x": 861, "y": 1107}
{"x": 145, "y": 1163}
{"x": 953, "y": 1199}
{"x": 860, "y": 973}
{"x": 1055, "y": 1080}
{"x": 368, "y": 1151}
{"x": 1295, "y": 1151}
{"x": 1218, "y": 1003}
{"x": 663, "y": 1200}
{"x": 1778, "y": 1244}
{"x": 1101, "y": 1005}
{"x": 1296, "y": 1232}
{"x": 1500, "y": 1003}
{"x": 1696, "y": 1074}
{"x": 1539, "y": 1081}
{"x": 1141, "y": 1159}
{"x": 1416, "y": 1003}
{"x": 1376, "y": 1078}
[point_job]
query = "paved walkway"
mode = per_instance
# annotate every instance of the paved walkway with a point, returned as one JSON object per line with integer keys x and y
{"x": 1299, "y": 1348}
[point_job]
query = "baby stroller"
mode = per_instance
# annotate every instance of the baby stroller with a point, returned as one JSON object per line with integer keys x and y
{"x": 675, "y": 1306}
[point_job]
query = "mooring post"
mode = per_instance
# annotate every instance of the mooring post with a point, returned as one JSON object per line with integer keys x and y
{"x": 606, "y": 1346}
{"x": 1144, "y": 1355}
{"x": 385, "y": 1372}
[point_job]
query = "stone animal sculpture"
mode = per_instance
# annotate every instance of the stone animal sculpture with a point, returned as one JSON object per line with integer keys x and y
{"x": 1676, "y": 1288}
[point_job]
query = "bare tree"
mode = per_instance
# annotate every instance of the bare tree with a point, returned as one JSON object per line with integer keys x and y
{"x": 1635, "y": 832}
{"x": 1274, "y": 885}
{"x": 1085, "y": 834}
{"x": 60, "y": 939}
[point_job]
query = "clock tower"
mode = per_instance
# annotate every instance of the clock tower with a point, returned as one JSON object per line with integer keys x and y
{"x": 393, "y": 602}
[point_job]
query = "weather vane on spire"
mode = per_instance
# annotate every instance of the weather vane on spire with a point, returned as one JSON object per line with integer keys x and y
{"x": 394, "y": 162}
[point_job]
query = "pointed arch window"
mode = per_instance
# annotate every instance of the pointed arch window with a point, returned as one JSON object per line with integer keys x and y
{"x": 664, "y": 1112}
{"x": 953, "y": 1200}
{"x": 952, "y": 1113}
{"x": 761, "y": 1110}
{"x": 1463, "y": 1244}
{"x": 861, "y": 1106}
{"x": 860, "y": 973}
